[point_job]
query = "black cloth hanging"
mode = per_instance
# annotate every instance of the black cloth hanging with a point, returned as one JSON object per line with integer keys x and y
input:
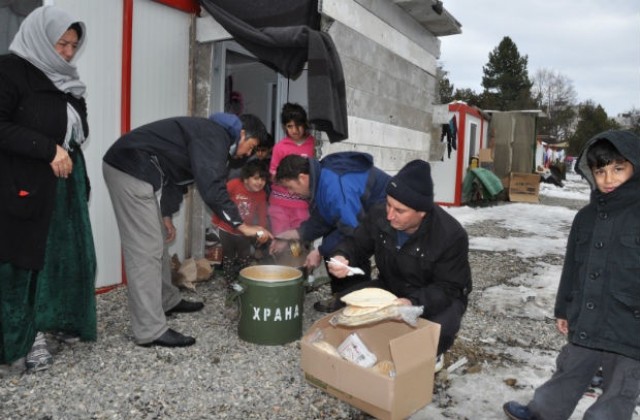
{"x": 284, "y": 35}
{"x": 450, "y": 132}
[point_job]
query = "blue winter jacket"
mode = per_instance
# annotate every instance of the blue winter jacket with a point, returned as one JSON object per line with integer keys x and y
{"x": 343, "y": 187}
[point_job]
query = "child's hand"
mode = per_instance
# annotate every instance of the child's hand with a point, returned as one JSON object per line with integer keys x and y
{"x": 261, "y": 234}
{"x": 563, "y": 326}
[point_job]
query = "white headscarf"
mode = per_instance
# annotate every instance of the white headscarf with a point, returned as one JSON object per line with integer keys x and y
{"x": 36, "y": 40}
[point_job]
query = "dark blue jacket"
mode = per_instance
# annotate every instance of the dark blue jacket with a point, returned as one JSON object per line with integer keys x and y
{"x": 172, "y": 153}
{"x": 344, "y": 186}
{"x": 599, "y": 291}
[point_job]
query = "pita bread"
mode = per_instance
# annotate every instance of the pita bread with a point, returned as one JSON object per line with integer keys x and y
{"x": 326, "y": 347}
{"x": 385, "y": 367}
{"x": 369, "y": 297}
{"x": 352, "y": 310}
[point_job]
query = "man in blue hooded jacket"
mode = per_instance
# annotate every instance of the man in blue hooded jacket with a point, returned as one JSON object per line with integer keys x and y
{"x": 147, "y": 172}
{"x": 341, "y": 188}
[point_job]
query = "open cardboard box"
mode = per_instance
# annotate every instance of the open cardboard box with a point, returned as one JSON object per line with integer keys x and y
{"x": 412, "y": 350}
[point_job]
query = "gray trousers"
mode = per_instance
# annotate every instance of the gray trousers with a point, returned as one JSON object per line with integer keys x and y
{"x": 575, "y": 367}
{"x": 146, "y": 257}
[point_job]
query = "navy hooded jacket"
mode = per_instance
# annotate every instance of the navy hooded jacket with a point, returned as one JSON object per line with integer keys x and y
{"x": 599, "y": 291}
{"x": 343, "y": 187}
{"x": 172, "y": 153}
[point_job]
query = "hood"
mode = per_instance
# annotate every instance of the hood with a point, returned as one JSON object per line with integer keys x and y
{"x": 231, "y": 124}
{"x": 627, "y": 143}
{"x": 345, "y": 162}
{"x": 314, "y": 176}
{"x": 340, "y": 163}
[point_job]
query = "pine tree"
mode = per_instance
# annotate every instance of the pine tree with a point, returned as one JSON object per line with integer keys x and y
{"x": 592, "y": 119}
{"x": 445, "y": 87}
{"x": 506, "y": 81}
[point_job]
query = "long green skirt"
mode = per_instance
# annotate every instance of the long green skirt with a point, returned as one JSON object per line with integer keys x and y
{"x": 17, "y": 320}
{"x": 65, "y": 295}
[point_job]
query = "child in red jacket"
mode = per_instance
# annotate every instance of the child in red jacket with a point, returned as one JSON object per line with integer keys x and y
{"x": 249, "y": 195}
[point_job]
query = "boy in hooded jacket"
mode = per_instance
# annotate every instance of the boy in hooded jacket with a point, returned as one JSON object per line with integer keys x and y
{"x": 598, "y": 301}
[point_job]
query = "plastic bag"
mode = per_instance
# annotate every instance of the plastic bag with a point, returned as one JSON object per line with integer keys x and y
{"x": 408, "y": 314}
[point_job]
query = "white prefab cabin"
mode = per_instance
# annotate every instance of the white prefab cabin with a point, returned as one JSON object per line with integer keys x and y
{"x": 146, "y": 60}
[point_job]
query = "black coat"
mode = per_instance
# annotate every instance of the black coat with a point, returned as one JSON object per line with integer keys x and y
{"x": 33, "y": 119}
{"x": 431, "y": 268}
{"x": 599, "y": 291}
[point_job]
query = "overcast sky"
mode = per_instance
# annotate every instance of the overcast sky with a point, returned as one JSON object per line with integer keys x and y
{"x": 595, "y": 43}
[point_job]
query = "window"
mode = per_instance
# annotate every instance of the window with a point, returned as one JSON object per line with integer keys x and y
{"x": 473, "y": 139}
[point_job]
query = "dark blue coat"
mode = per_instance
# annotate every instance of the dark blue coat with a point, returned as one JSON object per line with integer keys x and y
{"x": 173, "y": 153}
{"x": 599, "y": 291}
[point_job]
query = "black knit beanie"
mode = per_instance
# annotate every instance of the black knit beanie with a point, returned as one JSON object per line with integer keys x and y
{"x": 413, "y": 186}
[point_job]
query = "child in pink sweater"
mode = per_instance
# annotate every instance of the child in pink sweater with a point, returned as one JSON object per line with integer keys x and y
{"x": 287, "y": 211}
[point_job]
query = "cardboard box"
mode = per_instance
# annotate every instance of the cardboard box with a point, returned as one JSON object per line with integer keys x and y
{"x": 485, "y": 155}
{"x": 524, "y": 187}
{"x": 485, "y": 160}
{"x": 412, "y": 350}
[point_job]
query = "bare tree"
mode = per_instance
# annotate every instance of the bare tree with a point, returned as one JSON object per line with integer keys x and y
{"x": 630, "y": 120}
{"x": 554, "y": 93}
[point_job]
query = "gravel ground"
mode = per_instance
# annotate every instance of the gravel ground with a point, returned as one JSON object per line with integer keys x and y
{"x": 225, "y": 377}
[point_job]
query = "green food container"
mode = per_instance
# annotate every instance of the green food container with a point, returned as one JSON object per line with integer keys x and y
{"x": 271, "y": 304}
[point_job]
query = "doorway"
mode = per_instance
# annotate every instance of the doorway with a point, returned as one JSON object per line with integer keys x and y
{"x": 243, "y": 84}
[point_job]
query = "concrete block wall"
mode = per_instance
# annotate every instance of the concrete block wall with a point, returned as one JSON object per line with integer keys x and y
{"x": 390, "y": 95}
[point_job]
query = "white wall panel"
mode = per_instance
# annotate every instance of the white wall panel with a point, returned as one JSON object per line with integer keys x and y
{"x": 160, "y": 75}
{"x": 159, "y": 89}
{"x": 100, "y": 68}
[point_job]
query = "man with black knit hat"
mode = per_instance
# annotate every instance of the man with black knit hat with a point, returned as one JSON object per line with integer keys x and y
{"x": 421, "y": 252}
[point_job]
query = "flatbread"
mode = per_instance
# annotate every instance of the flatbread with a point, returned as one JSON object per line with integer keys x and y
{"x": 385, "y": 367}
{"x": 352, "y": 310}
{"x": 327, "y": 348}
{"x": 369, "y": 297}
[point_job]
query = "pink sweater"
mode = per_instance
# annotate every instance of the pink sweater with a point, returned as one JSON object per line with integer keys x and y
{"x": 286, "y": 146}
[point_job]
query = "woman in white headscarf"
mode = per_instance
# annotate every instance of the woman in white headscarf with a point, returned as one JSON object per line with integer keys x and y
{"x": 47, "y": 256}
